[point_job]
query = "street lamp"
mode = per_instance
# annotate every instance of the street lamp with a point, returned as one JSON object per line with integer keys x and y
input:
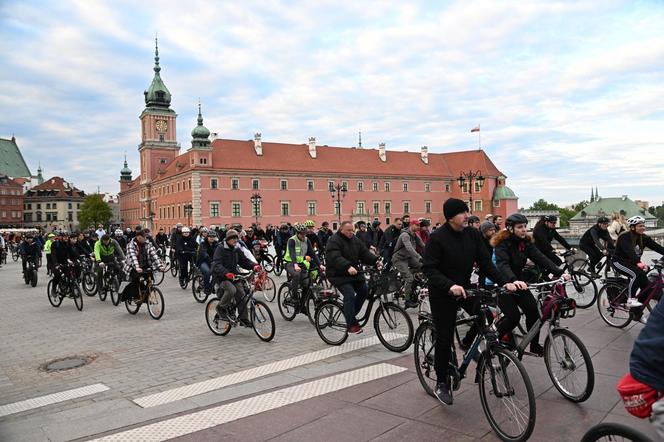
{"x": 256, "y": 201}
{"x": 338, "y": 191}
{"x": 188, "y": 209}
{"x": 471, "y": 177}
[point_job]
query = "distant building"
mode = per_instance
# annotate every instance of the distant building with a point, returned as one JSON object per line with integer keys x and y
{"x": 113, "y": 203}
{"x": 12, "y": 163}
{"x": 642, "y": 204}
{"x": 535, "y": 215}
{"x": 583, "y": 220}
{"x": 11, "y": 202}
{"x": 53, "y": 204}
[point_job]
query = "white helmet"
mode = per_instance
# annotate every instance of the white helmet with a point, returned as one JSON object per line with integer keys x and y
{"x": 185, "y": 230}
{"x": 118, "y": 232}
{"x": 636, "y": 220}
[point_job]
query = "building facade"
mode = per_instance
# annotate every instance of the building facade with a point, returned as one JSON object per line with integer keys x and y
{"x": 608, "y": 207}
{"x": 215, "y": 181}
{"x": 53, "y": 204}
{"x": 11, "y": 202}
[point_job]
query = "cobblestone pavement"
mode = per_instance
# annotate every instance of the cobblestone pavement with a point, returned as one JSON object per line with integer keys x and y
{"x": 135, "y": 356}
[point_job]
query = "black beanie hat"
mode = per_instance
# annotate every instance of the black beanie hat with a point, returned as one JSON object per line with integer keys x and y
{"x": 453, "y": 207}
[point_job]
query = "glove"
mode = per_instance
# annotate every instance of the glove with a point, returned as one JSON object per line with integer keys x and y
{"x": 257, "y": 268}
{"x": 641, "y": 265}
{"x": 230, "y": 276}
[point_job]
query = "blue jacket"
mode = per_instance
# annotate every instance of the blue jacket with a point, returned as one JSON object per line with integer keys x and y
{"x": 646, "y": 363}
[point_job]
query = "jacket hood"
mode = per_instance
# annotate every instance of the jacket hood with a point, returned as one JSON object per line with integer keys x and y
{"x": 505, "y": 235}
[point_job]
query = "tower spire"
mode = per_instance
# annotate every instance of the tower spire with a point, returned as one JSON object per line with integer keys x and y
{"x": 359, "y": 142}
{"x": 157, "y": 68}
{"x": 592, "y": 195}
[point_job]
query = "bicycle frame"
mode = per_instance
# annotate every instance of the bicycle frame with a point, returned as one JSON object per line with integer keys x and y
{"x": 652, "y": 289}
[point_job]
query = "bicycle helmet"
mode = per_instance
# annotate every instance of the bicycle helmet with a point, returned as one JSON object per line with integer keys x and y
{"x": 118, "y": 232}
{"x": 602, "y": 220}
{"x": 299, "y": 228}
{"x": 186, "y": 230}
{"x": 514, "y": 219}
{"x": 550, "y": 218}
{"x": 309, "y": 223}
{"x": 635, "y": 220}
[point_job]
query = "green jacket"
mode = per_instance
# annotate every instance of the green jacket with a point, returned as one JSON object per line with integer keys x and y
{"x": 47, "y": 246}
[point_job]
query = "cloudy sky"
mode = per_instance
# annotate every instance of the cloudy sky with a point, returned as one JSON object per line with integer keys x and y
{"x": 569, "y": 95}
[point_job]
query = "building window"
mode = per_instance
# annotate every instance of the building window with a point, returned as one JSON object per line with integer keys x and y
{"x": 236, "y": 209}
{"x": 256, "y": 208}
{"x": 30, "y": 206}
{"x": 214, "y": 183}
{"x": 48, "y": 205}
{"x": 168, "y": 212}
{"x": 427, "y": 207}
{"x": 388, "y": 208}
{"x": 78, "y": 205}
{"x": 496, "y": 203}
{"x": 189, "y": 184}
{"x": 284, "y": 184}
{"x": 311, "y": 208}
{"x": 179, "y": 212}
{"x": 161, "y": 137}
{"x": 285, "y": 208}
{"x": 376, "y": 207}
{"x": 406, "y": 207}
{"x": 214, "y": 209}
{"x": 178, "y": 187}
{"x": 235, "y": 183}
{"x": 163, "y": 160}
{"x": 464, "y": 188}
{"x": 344, "y": 186}
{"x": 374, "y": 186}
{"x": 48, "y": 216}
{"x": 478, "y": 205}
{"x": 477, "y": 187}
{"x": 387, "y": 186}
{"x": 69, "y": 206}
{"x": 310, "y": 185}
{"x": 359, "y": 207}
{"x": 38, "y": 206}
{"x": 447, "y": 187}
{"x": 405, "y": 187}
{"x": 255, "y": 184}
{"x": 70, "y": 216}
{"x": 360, "y": 186}
{"x": 427, "y": 187}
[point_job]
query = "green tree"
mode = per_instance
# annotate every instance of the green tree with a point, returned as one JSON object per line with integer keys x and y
{"x": 94, "y": 211}
{"x": 565, "y": 216}
{"x": 659, "y": 213}
{"x": 541, "y": 204}
{"x": 580, "y": 206}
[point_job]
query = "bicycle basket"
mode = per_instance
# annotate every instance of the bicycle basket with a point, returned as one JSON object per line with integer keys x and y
{"x": 637, "y": 397}
{"x": 557, "y": 300}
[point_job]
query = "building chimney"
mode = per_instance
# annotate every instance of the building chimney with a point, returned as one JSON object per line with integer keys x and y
{"x": 312, "y": 147}
{"x": 381, "y": 152}
{"x": 214, "y": 136}
{"x": 425, "y": 154}
{"x": 258, "y": 144}
{"x": 624, "y": 197}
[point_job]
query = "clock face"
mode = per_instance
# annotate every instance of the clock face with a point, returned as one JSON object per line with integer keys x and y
{"x": 161, "y": 126}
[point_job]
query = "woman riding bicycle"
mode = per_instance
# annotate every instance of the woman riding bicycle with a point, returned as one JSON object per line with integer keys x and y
{"x": 513, "y": 247}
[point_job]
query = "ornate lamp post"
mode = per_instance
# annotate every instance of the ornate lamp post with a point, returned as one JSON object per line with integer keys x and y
{"x": 188, "y": 209}
{"x": 256, "y": 202}
{"x": 338, "y": 191}
{"x": 471, "y": 178}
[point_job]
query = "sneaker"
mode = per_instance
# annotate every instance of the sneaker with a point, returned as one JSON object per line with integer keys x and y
{"x": 633, "y": 303}
{"x": 355, "y": 329}
{"x": 443, "y": 393}
{"x": 537, "y": 349}
{"x": 411, "y": 304}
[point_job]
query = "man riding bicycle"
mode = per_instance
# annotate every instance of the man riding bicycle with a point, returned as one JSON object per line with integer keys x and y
{"x": 300, "y": 255}
{"x": 63, "y": 255}
{"x": 185, "y": 249}
{"x": 141, "y": 257}
{"x": 204, "y": 260}
{"x": 29, "y": 251}
{"x": 596, "y": 243}
{"x": 107, "y": 250}
{"x": 544, "y": 233}
{"x": 407, "y": 261}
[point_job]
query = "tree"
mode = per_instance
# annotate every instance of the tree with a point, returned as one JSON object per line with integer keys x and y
{"x": 541, "y": 204}
{"x": 94, "y": 211}
{"x": 659, "y": 213}
{"x": 580, "y": 206}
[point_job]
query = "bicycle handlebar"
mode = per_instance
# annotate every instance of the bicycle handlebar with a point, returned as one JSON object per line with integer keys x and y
{"x": 560, "y": 280}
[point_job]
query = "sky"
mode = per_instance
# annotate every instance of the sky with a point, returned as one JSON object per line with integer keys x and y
{"x": 569, "y": 95}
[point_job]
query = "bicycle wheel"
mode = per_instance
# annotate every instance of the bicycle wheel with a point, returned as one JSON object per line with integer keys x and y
{"x": 262, "y": 321}
{"x": 89, "y": 283}
{"x": 278, "y": 267}
{"x": 115, "y": 291}
{"x": 15, "y": 256}
{"x": 158, "y": 277}
{"x": 582, "y": 289}
{"x": 580, "y": 265}
{"x": 217, "y": 325}
{"x": 506, "y": 394}
{"x": 425, "y": 344}
{"x": 287, "y": 304}
{"x": 330, "y": 323}
{"x": 613, "y": 432}
{"x": 155, "y": 303}
{"x": 103, "y": 291}
{"x": 310, "y": 304}
{"x": 268, "y": 289}
{"x": 53, "y": 297}
{"x": 569, "y": 365}
{"x": 393, "y": 327}
{"x": 184, "y": 283}
{"x": 132, "y": 306}
{"x": 174, "y": 269}
{"x": 198, "y": 289}
{"x": 611, "y": 305}
{"x": 33, "y": 278}
{"x": 78, "y": 296}
{"x": 268, "y": 263}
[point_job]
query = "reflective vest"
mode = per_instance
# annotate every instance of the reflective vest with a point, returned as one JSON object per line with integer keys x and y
{"x": 47, "y": 246}
{"x": 299, "y": 247}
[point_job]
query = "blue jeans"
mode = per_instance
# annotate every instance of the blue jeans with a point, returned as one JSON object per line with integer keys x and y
{"x": 354, "y": 294}
{"x": 207, "y": 272}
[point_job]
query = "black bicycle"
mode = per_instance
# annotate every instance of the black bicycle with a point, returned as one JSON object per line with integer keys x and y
{"x": 88, "y": 276}
{"x": 613, "y": 432}
{"x": 149, "y": 295}
{"x": 506, "y": 393}
{"x": 110, "y": 283}
{"x": 198, "y": 286}
{"x": 67, "y": 288}
{"x": 30, "y": 272}
{"x": 193, "y": 272}
{"x": 391, "y": 322}
{"x": 220, "y": 320}
{"x": 316, "y": 290}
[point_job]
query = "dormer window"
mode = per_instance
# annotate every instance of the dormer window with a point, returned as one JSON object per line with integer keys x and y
{"x": 160, "y": 95}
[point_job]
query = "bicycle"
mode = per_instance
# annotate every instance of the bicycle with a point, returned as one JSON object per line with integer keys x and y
{"x": 565, "y": 355}
{"x": 307, "y": 299}
{"x": 198, "y": 287}
{"x": 68, "y": 288}
{"x": 14, "y": 250}
{"x": 604, "y": 267}
{"x": 501, "y": 377}
{"x": 88, "y": 277}
{"x": 261, "y": 283}
{"x": 615, "y": 292}
{"x": 261, "y": 318}
{"x": 610, "y": 431}
{"x": 30, "y": 272}
{"x": 147, "y": 294}
{"x": 193, "y": 271}
{"x": 175, "y": 268}
{"x": 110, "y": 283}
{"x": 391, "y": 322}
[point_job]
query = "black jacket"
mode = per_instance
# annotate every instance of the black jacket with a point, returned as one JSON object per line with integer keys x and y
{"x": 512, "y": 254}
{"x": 489, "y": 248}
{"x": 227, "y": 260}
{"x": 630, "y": 246}
{"x": 324, "y": 236}
{"x": 646, "y": 363}
{"x": 389, "y": 238}
{"x": 449, "y": 257}
{"x": 205, "y": 252}
{"x": 592, "y": 236}
{"x": 61, "y": 251}
{"x": 83, "y": 248}
{"x": 343, "y": 253}
{"x": 365, "y": 237}
{"x": 544, "y": 236}
{"x": 161, "y": 239}
{"x": 29, "y": 250}
{"x": 186, "y": 244}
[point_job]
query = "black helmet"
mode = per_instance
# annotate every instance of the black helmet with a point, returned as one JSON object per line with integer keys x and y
{"x": 602, "y": 220}
{"x": 550, "y": 218}
{"x": 514, "y": 219}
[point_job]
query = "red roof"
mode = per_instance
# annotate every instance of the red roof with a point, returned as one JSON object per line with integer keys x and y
{"x": 470, "y": 160}
{"x": 55, "y": 186}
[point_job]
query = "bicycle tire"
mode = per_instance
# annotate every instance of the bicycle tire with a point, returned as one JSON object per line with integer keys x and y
{"x": 174, "y": 270}
{"x": 585, "y": 357}
{"x": 310, "y": 305}
{"x": 89, "y": 283}
{"x": 15, "y": 256}
{"x": 132, "y": 306}
{"x": 53, "y": 297}
{"x": 329, "y": 317}
{"x": 156, "y": 298}
{"x": 610, "y": 431}
{"x": 213, "y": 321}
{"x": 198, "y": 290}
{"x": 287, "y": 312}
{"x": 505, "y": 359}
{"x": 103, "y": 291}
{"x": 268, "y": 263}
{"x": 268, "y": 289}
{"x": 611, "y": 312}
{"x": 33, "y": 278}
{"x": 158, "y": 277}
{"x": 394, "y": 318}
{"x": 78, "y": 296}
{"x": 582, "y": 288}
{"x": 424, "y": 354}
{"x": 261, "y": 314}
{"x": 278, "y": 267}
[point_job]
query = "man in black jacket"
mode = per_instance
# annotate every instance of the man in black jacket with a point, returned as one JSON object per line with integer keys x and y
{"x": 591, "y": 245}
{"x": 448, "y": 261}
{"x": 345, "y": 252}
{"x": 206, "y": 251}
{"x": 389, "y": 240}
{"x": 545, "y": 232}
{"x": 185, "y": 249}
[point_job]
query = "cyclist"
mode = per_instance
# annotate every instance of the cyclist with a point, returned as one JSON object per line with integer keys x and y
{"x": 141, "y": 256}
{"x": 407, "y": 261}
{"x": 345, "y": 253}
{"x": 389, "y": 240}
{"x": 299, "y": 255}
{"x": 121, "y": 239}
{"x": 63, "y": 255}
{"x": 227, "y": 258}
{"x": 474, "y": 221}
{"x": 161, "y": 239}
{"x": 448, "y": 262}
{"x": 376, "y": 232}
{"x": 512, "y": 248}
{"x": 204, "y": 260}
{"x": 627, "y": 258}
{"x": 424, "y": 233}
{"x": 324, "y": 234}
{"x": 487, "y": 229}
{"x": 313, "y": 236}
{"x": 596, "y": 243}
{"x": 545, "y": 232}
{"x": 47, "y": 251}
{"x": 82, "y": 246}
{"x": 29, "y": 251}
{"x": 185, "y": 248}
{"x": 106, "y": 251}
{"x": 363, "y": 234}
{"x": 280, "y": 242}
